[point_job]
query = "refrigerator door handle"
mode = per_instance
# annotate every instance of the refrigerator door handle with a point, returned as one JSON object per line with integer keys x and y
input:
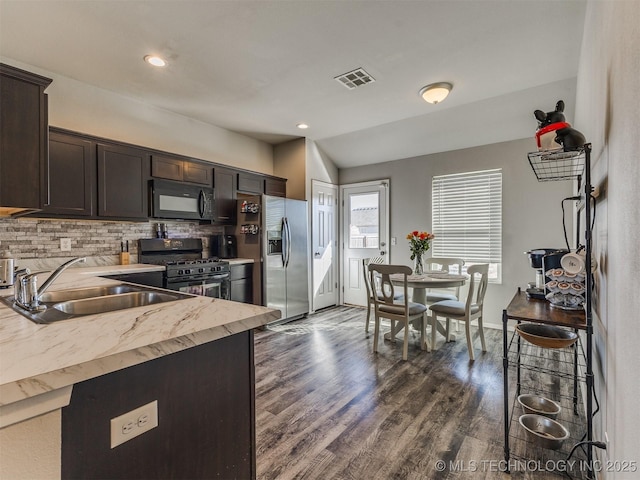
{"x": 283, "y": 237}
{"x": 288, "y": 234}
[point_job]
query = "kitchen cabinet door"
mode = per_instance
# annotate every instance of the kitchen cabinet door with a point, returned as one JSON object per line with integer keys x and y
{"x": 175, "y": 168}
{"x": 166, "y": 167}
{"x": 250, "y": 183}
{"x": 224, "y": 184}
{"x": 123, "y": 177}
{"x": 242, "y": 283}
{"x": 198, "y": 173}
{"x": 23, "y": 140}
{"x": 275, "y": 187}
{"x": 72, "y": 175}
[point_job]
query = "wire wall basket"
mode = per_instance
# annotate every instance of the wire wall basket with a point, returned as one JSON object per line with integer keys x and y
{"x": 550, "y": 165}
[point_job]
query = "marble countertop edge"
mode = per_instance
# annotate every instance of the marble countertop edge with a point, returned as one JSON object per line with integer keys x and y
{"x": 38, "y": 359}
{"x": 15, "y": 391}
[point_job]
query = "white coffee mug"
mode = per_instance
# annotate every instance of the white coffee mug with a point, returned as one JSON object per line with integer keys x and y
{"x": 575, "y": 262}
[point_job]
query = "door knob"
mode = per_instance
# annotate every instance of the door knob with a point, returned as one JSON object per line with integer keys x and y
{"x": 317, "y": 254}
{"x": 382, "y": 252}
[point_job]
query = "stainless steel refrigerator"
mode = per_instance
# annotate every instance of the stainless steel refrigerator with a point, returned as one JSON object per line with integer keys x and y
{"x": 285, "y": 255}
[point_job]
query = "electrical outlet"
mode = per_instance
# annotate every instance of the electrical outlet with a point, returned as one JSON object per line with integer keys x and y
{"x": 394, "y": 240}
{"x": 65, "y": 244}
{"x": 131, "y": 424}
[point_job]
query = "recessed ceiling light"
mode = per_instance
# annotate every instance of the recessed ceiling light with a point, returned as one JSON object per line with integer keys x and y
{"x": 302, "y": 126}
{"x": 435, "y": 92}
{"x": 155, "y": 61}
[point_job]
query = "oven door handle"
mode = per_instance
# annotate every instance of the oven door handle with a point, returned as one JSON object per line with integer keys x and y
{"x": 223, "y": 276}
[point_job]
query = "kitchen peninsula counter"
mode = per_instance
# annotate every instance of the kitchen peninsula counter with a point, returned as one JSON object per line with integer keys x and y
{"x": 40, "y": 363}
{"x": 62, "y": 383}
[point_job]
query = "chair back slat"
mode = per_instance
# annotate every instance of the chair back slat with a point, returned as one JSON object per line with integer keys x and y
{"x": 365, "y": 272}
{"x": 380, "y": 275}
{"x": 444, "y": 264}
{"x": 477, "y": 286}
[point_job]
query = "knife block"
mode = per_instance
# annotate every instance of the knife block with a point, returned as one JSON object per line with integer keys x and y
{"x": 124, "y": 258}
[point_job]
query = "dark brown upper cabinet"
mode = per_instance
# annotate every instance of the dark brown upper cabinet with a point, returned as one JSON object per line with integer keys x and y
{"x": 72, "y": 175}
{"x": 224, "y": 190}
{"x": 198, "y": 173}
{"x": 175, "y": 168}
{"x": 23, "y": 141}
{"x": 275, "y": 186}
{"x": 250, "y": 183}
{"x": 123, "y": 178}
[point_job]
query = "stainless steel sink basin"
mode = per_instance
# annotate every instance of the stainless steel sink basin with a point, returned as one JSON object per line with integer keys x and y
{"x": 89, "y": 292}
{"x": 77, "y": 302}
{"x": 109, "y": 303}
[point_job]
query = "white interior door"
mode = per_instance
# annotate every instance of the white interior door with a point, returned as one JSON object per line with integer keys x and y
{"x": 324, "y": 244}
{"x": 365, "y": 233}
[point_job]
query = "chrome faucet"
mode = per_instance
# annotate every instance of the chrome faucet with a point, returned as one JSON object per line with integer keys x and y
{"x": 27, "y": 294}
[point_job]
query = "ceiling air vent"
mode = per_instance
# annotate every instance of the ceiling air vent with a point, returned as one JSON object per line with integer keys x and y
{"x": 355, "y": 78}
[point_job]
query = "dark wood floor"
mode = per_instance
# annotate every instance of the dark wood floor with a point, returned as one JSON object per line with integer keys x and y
{"x": 329, "y": 408}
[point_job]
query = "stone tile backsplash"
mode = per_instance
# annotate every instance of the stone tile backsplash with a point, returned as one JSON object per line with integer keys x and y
{"x": 40, "y": 238}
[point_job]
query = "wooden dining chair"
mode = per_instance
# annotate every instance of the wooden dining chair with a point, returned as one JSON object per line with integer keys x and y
{"x": 367, "y": 284}
{"x": 467, "y": 311}
{"x": 384, "y": 305}
{"x": 444, "y": 265}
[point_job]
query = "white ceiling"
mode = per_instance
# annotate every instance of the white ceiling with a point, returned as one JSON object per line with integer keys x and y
{"x": 261, "y": 67}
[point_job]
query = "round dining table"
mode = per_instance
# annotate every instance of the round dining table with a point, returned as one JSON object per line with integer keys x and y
{"x": 420, "y": 284}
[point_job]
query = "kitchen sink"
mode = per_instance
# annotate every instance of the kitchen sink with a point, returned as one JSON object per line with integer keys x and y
{"x": 89, "y": 292}
{"x": 109, "y": 303}
{"x": 77, "y": 302}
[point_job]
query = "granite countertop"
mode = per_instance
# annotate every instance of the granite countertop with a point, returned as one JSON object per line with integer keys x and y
{"x": 36, "y": 360}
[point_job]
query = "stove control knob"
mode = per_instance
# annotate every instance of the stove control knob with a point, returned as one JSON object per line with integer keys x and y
{"x": 187, "y": 272}
{"x": 180, "y": 272}
{"x": 201, "y": 270}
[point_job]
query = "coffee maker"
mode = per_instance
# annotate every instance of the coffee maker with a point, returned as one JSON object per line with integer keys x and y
{"x": 224, "y": 246}
{"x": 542, "y": 260}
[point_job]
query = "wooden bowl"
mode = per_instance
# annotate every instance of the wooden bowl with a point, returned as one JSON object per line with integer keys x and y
{"x": 546, "y": 336}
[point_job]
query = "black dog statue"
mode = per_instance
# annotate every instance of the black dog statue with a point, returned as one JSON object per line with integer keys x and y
{"x": 570, "y": 138}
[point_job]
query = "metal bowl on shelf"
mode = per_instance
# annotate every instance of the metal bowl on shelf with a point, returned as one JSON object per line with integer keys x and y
{"x": 547, "y": 336}
{"x": 539, "y": 405}
{"x": 543, "y": 431}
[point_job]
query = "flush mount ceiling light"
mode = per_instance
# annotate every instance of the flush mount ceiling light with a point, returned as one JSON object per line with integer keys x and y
{"x": 155, "y": 60}
{"x": 302, "y": 126}
{"x": 436, "y": 92}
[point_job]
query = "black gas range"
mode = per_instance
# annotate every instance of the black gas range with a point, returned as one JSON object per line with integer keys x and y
{"x": 186, "y": 270}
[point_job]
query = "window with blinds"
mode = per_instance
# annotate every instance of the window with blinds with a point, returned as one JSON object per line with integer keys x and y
{"x": 467, "y": 218}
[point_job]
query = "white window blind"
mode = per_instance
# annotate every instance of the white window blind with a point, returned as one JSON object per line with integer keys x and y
{"x": 467, "y": 218}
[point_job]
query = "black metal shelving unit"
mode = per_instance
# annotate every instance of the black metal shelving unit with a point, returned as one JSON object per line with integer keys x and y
{"x": 559, "y": 374}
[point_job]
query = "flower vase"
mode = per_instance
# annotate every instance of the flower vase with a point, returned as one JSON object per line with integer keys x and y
{"x": 418, "y": 268}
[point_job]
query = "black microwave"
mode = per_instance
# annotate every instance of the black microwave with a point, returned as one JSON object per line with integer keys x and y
{"x": 181, "y": 201}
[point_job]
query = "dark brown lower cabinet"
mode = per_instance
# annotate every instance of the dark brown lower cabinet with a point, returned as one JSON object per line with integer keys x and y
{"x": 242, "y": 283}
{"x": 206, "y": 417}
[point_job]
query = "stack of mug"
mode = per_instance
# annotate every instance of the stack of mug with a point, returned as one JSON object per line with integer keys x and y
{"x": 567, "y": 285}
